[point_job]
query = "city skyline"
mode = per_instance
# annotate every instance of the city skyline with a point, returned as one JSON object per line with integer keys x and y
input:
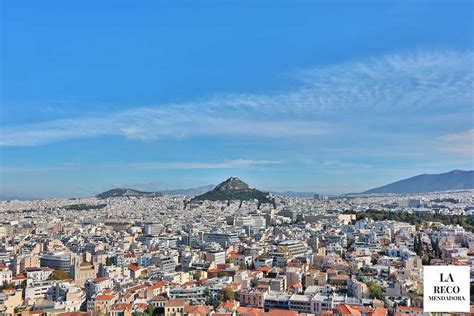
{"x": 236, "y": 158}
{"x": 313, "y": 97}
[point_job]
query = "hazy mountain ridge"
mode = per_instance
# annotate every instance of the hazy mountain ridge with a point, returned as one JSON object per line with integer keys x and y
{"x": 234, "y": 188}
{"x": 205, "y": 188}
{"x": 189, "y": 191}
{"x": 302, "y": 195}
{"x": 18, "y": 198}
{"x": 122, "y": 192}
{"x": 424, "y": 183}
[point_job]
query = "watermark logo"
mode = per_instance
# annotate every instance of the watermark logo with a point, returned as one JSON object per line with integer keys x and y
{"x": 446, "y": 288}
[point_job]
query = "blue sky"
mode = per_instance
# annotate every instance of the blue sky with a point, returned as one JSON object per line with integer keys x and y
{"x": 322, "y": 96}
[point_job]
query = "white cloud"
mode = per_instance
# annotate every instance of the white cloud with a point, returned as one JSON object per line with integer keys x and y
{"x": 396, "y": 85}
{"x": 29, "y": 169}
{"x": 461, "y": 143}
{"x": 150, "y": 165}
{"x": 228, "y": 164}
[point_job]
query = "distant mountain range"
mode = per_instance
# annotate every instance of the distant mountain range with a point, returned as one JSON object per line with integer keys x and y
{"x": 453, "y": 180}
{"x": 302, "y": 195}
{"x": 190, "y": 191}
{"x": 209, "y": 187}
{"x": 19, "y": 198}
{"x": 126, "y": 193}
{"x": 234, "y": 189}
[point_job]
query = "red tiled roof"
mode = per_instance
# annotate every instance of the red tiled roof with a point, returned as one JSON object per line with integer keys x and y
{"x": 137, "y": 287}
{"x": 249, "y": 311}
{"x": 229, "y": 305}
{"x": 380, "y": 311}
{"x": 159, "y": 298}
{"x": 201, "y": 310}
{"x": 175, "y": 303}
{"x": 121, "y": 307}
{"x": 18, "y": 277}
{"x": 104, "y": 297}
{"x": 133, "y": 267}
{"x": 157, "y": 285}
{"x": 264, "y": 268}
{"x": 141, "y": 306}
{"x": 410, "y": 308}
{"x": 280, "y": 312}
{"x": 346, "y": 309}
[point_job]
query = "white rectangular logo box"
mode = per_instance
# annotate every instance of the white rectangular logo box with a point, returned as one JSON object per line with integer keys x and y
{"x": 446, "y": 288}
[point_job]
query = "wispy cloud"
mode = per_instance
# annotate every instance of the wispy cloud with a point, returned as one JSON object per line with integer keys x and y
{"x": 149, "y": 165}
{"x": 228, "y": 164}
{"x": 461, "y": 143}
{"x": 405, "y": 84}
{"x": 32, "y": 170}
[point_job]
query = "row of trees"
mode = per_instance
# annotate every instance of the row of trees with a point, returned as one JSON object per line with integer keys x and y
{"x": 425, "y": 254}
{"x": 420, "y": 218}
{"x": 418, "y": 245}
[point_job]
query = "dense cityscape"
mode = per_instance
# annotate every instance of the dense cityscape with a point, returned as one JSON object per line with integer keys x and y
{"x": 236, "y": 158}
{"x": 177, "y": 255}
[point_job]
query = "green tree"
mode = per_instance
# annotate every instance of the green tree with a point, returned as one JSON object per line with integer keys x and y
{"x": 253, "y": 283}
{"x": 59, "y": 275}
{"x": 417, "y": 245}
{"x": 425, "y": 260}
{"x": 150, "y": 310}
{"x": 221, "y": 274}
{"x": 227, "y": 295}
{"x": 374, "y": 260}
{"x": 210, "y": 298}
{"x": 375, "y": 290}
{"x": 8, "y": 285}
{"x": 436, "y": 249}
{"x": 350, "y": 242}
